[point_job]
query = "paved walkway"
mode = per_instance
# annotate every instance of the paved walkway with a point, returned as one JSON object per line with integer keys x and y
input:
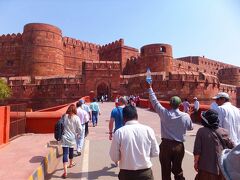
{"x": 23, "y": 156}
{"x": 95, "y": 162}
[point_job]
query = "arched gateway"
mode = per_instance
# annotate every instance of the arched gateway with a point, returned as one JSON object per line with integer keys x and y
{"x": 102, "y": 89}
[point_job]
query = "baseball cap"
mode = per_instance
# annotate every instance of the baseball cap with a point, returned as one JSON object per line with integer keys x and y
{"x": 175, "y": 101}
{"x": 221, "y": 95}
{"x": 81, "y": 101}
{"x": 195, "y": 98}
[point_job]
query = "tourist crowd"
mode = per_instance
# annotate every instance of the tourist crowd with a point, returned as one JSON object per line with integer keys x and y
{"x": 216, "y": 147}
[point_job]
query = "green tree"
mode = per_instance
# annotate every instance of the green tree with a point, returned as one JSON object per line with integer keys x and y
{"x": 5, "y": 90}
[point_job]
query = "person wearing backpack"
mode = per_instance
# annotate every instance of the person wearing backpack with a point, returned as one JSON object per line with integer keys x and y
{"x": 72, "y": 128}
{"x": 210, "y": 141}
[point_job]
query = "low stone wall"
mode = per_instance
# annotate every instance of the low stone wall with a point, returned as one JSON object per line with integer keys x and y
{"x": 145, "y": 103}
{"x": 4, "y": 124}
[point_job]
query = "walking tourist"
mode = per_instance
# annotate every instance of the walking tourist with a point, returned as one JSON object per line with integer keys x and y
{"x": 83, "y": 115}
{"x": 72, "y": 128}
{"x": 196, "y": 106}
{"x": 186, "y": 106}
{"x": 229, "y": 116}
{"x": 208, "y": 147}
{"x": 95, "y": 111}
{"x": 174, "y": 124}
{"x": 116, "y": 118}
{"x": 133, "y": 145}
{"x": 88, "y": 110}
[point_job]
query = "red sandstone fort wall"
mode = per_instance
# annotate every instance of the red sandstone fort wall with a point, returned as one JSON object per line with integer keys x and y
{"x": 197, "y": 63}
{"x": 45, "y": 69}
{"x": 76, "y": 52}
{"x": 229, "y": 76}
{"x": 10, "y": 54}
{"x": 41, "y": 92}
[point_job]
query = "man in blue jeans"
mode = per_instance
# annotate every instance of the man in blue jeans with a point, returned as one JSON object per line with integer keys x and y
{"x": 95, "y": 111}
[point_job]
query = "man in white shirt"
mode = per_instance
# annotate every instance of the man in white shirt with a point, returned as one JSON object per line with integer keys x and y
{"x": 84, "y": 117}
{"x": 86, "y": 108}
{"x": 229, "y": 116}
{"x": 133, "y": 145}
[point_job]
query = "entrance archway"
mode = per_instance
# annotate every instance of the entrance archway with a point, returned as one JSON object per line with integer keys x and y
{"x": 102, "y": 89}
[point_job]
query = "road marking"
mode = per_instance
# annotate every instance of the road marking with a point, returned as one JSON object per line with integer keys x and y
{"x": 188, "y": 152}
{"x": 85, "y": 160}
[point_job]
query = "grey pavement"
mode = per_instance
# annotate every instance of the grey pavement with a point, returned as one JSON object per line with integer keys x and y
{"x": 95, "y": 163}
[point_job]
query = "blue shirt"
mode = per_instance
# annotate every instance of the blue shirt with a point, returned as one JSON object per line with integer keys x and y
{"x": 94, "y": 106}
{"x": 174, "y": 122}
{"x": 117, "y": 114}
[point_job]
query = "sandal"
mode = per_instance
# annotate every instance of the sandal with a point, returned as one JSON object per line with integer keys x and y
{"x": 64, "y": 176}
{"x": 71, "y": 165}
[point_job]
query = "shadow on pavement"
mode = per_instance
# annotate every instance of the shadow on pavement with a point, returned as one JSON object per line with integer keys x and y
{"x": 36, "y": 159}
{"x": 91, "y": 175}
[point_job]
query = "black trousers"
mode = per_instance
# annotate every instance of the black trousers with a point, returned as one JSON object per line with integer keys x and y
{"x": 171, "y": 156}
{"x": 143, "y": 174}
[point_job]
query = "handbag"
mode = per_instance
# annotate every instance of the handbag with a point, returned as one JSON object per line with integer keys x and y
{"x": 225, "y": 142}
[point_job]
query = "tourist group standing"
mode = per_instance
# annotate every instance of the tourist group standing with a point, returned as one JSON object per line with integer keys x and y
{"x": 212, "y": 147}
{"x": 134, "y": 144}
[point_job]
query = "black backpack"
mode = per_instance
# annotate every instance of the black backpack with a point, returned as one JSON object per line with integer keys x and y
{"x": 58, "y": 130}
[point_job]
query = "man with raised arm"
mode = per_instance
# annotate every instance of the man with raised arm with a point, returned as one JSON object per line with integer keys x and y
{"x": 174, "y": 124}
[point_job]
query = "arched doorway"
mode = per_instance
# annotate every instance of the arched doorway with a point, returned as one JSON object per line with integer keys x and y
{"x": 102, "y": 89}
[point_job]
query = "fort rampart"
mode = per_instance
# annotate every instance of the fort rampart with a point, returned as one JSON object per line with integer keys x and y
{"x": 44, "y": 69}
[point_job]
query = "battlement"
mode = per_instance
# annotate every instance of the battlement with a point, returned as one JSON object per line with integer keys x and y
{"x": 11, "y": 38}
{"x": 67, "y": 41}
{"x": 101, "y": 65}
{"x": 113, "y": 45}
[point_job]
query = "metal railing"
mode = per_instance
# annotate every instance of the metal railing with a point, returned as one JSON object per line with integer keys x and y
{"x": 17, "y": 119}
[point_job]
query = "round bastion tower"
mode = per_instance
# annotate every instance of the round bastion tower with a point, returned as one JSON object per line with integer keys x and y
{"x": 229, "y": 76}
{"x": 158, "y": 57}
{"x": 42, "y": 50}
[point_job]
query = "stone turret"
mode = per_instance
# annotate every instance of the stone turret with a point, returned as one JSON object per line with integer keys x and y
{"x": 158, "y": 57}
{"x": 42, "y": 50}
{"x": 229, "y": 76}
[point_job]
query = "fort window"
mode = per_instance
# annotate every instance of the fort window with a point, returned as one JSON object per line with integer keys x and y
{"x": 142, "y": 51}
{"x": 162, "y": 49}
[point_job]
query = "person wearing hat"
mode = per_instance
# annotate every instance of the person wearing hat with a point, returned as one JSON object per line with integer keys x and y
{"x": 133, "y": 145}
{"x": 208, "y": 146}
{"x": 196, "y": 106}
{"x": 117, "y": 116}
{"x": 229, "y": 163}
{"x": 229, "y": 116}
{"x": 174, "y": 124}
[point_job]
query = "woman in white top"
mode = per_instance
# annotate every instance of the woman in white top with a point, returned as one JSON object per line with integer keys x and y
{"x": 72, "y": 128}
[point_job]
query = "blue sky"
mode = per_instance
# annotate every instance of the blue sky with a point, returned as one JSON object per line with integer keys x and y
{"x": 209, "y": 28}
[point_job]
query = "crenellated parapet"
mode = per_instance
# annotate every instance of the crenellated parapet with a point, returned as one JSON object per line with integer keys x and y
{"x": 108, "y": 47}
{"x": 11, "y": 38}
{"x": 101, "y": 65}
{"x": 67, "y": 41}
